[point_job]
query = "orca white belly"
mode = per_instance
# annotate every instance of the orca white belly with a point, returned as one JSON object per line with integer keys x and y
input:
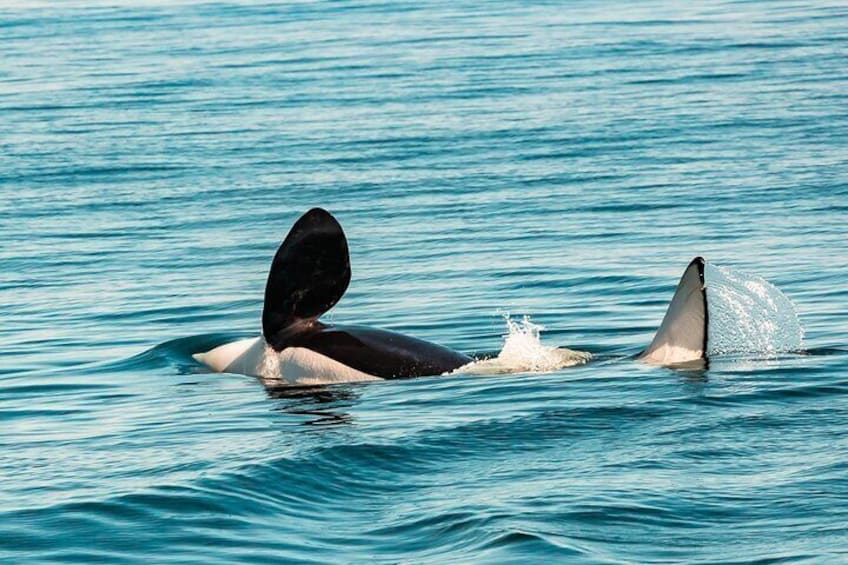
{"x": 291, "y": 366}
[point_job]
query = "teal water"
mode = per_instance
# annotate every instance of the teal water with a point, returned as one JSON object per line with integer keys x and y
{"x": 560, "y": 161}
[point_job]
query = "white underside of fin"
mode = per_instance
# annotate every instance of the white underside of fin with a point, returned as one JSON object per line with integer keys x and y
{"x": 682, "y": 334}
{"x": 291, "y": 366}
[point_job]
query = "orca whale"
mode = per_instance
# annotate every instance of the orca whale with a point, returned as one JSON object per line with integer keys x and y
{"x": 309, "y": 274}
{"x": 311, "y": 271}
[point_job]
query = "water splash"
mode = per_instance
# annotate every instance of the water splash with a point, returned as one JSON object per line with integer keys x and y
{"x": 523, "y": 352}
{"x": 749, "y": 314}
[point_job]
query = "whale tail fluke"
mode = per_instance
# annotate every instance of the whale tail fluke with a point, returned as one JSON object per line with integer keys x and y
{"x": 683, "y": 333}
{"x": 309, "y": 275}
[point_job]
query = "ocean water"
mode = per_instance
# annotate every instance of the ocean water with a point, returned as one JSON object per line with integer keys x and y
{"x": 562, "y": 161}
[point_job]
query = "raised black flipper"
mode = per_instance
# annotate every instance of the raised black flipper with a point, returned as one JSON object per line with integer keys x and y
{"x": 308, "y": 276}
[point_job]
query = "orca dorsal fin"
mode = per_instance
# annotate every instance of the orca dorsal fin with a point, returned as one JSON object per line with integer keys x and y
{"x": 682, "y": 336}
{"x": 309, "y": 274}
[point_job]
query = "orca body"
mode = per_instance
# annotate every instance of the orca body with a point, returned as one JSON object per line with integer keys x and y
{"x": 309, "y": 274}
{"x": 311, "y": 271}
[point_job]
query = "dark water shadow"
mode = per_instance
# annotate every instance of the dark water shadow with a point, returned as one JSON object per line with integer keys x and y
{"x": 324, "y": 404}
{"x": 694, "y": 382}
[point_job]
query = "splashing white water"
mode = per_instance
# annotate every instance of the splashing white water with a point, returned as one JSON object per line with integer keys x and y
{"x": 748, "y": 314}
{"x": 523, "y": 352}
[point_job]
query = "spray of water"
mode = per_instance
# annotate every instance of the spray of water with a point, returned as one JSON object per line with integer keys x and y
{"x": 523, "y": 352}
{"x": 748, "y": 314}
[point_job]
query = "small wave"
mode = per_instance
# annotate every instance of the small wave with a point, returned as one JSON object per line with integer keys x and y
{"x": 523, "y": 352}
{"x": 176, "y": 353}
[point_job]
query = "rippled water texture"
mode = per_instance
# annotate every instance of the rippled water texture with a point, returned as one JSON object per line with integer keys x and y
{"x": 560, "y": 161}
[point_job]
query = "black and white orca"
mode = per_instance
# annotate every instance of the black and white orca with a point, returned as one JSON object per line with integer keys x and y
{"x": 309, "y": 274}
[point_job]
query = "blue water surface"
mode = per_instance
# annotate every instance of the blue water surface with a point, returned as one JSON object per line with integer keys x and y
{"x": 561, "y": 160}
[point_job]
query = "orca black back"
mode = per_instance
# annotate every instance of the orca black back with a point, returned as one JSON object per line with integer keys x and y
{"x": 381, "y": 353}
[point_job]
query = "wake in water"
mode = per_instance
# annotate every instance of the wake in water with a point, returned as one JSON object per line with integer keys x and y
{"x": 523, "y": 352}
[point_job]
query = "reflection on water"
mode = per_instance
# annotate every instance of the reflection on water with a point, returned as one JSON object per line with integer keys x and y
{"x": 326, "y": 404}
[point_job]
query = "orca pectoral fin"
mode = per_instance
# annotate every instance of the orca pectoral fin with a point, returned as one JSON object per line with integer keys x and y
{"x": 682, "y": 336}
{"x": 309, "y": 274}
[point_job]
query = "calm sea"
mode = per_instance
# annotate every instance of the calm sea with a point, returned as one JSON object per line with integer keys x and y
{"x": 559, "y": 160}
